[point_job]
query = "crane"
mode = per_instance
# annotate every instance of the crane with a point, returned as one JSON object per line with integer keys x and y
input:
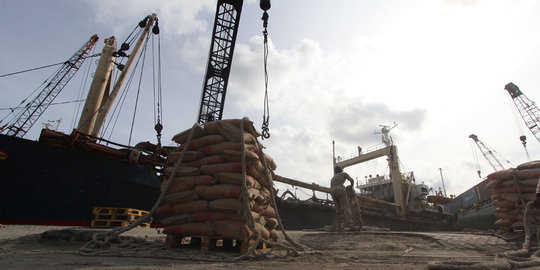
{"x": 528, "y": 110}
{"x": 488, "y": 153}
{"x": 220, "y": 57}
{"x": 33, "y": 110}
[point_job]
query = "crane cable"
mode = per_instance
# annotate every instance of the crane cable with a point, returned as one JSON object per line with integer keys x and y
{"x": 522, "y": 136}
{"x": 475, "y": 158}
{"x": 158, "y": 101}
{"x": 265, "y": 5}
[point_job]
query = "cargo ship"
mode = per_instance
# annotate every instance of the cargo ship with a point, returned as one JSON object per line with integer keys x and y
{"x": 60, "y": 178}
{"x": 393, "y": 201}
{"x": 474, "y": 208}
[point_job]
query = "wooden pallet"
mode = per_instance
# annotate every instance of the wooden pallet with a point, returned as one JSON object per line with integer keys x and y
{"x": 118, "y": 211}
{"x": 96, "y": 223}
{"x": 129, "y": 218}
{"x": 212, "y": 243}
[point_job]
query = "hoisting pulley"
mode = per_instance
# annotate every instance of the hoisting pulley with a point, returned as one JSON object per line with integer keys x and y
{"x": 265, "y": 6}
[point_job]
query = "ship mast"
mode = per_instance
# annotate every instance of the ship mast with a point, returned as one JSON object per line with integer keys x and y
{"x": 105, "y": 108}
{"x": 100, "y": 87}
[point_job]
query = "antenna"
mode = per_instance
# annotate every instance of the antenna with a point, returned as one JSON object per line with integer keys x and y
{"x": 385, "y": 130}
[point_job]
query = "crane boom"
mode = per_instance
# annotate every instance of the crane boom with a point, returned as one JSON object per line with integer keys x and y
{"x": 220, "y": 59}
{"x": 36, "y": 107}
{"x": 527, "y": 108}
{"x": 487, "y": 153}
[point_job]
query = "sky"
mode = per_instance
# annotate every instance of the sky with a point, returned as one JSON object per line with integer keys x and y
{"x": 337, "y": 71}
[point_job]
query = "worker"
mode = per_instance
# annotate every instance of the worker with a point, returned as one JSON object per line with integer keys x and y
{"x": 531, "y": 220}
{"x": 341, "y": 202}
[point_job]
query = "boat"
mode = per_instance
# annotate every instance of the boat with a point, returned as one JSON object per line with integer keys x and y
{"x": 393, "y": 201}
{"x": 60, "y": 178}
{"x": 474, "y": 208}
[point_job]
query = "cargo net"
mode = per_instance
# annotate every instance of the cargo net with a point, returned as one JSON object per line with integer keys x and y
{"x": 218, "y": 184}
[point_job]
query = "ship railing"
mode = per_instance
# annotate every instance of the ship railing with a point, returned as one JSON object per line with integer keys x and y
{"x": 361, "y": 151}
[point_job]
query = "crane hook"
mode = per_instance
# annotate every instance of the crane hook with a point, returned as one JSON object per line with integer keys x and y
{"x": 265, "y": 5}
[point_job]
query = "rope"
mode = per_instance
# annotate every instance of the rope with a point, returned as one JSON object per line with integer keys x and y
{"x": 143, "y": 54}
{"x": 42, "y": 67}
{"x": 273, "y": 197}
{"x": 134, "y": 247}
{"x": 517, "y": 187}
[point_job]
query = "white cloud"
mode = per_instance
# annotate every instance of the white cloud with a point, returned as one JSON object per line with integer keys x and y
{"x": 175, "y": 16}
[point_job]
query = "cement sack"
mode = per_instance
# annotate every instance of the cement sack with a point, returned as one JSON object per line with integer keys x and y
{"x": 219, "y": 191}
{"x": 248, "y": 125}
{"x": 177, "y": 219}
{"x": 271, "y": 223}
{"x": 202, "y": 142}
{"x": 181, "y": 196}
{"x": 274, "y": 235}
{"x": 205, "y": 161}
{"x": 229, "y": 131}
{"x": 504, "y": 222}
{"x": 521, "y": 182}
{"x": 494, "y": 183}
{"x": 214, "y": 169}
{"x": 173, "y": 157}
{"x": 265, "y": 234}
{"x": 520, "y": 174}
{"x": 229, "y": 205}
{"x": 235, "y": 155}
{"x": 231, "y": 229}
{"x": 182, "y": 137}
{"x": 507, "y": 215}
{"x": 214, "y": 216}
{"x": 513, "y": 189}
{"x": 514, "y": 197}
{"x": 187, "y": 229}
{"x": 188, "y": 182}
{"x": 237, "y": 179}
{"x": 517, "y": 225}
{"x": 506, "y": 204}
{"x": 216, "y": 149}
{"x": 183, "y": 208}
{"x": 258, "y": 197}
{"x": 535, "y": 164}
{"x": 182, "y": 171}
{"x": 270, "y": 212}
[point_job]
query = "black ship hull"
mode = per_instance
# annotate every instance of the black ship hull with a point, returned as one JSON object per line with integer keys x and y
{"x": 42, "y": 183}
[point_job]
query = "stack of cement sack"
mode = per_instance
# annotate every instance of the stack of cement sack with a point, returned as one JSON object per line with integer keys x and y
{"x": 506, "y": 194}
{"x": 205, "y": 196}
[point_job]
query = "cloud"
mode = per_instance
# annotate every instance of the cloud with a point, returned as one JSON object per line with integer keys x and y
{"x": 181, "y": 16}
{"x": 311, "y": 104}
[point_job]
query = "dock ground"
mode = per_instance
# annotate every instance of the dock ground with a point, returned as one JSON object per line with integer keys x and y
{"x": 25, "y": 247}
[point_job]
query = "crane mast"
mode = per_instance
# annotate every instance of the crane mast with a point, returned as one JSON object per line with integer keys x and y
{"x": 527, "y": 108}
{"x": 220, "y": 59}
{"x": 487, "y": 153}
{"x": 34, "y": 109}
